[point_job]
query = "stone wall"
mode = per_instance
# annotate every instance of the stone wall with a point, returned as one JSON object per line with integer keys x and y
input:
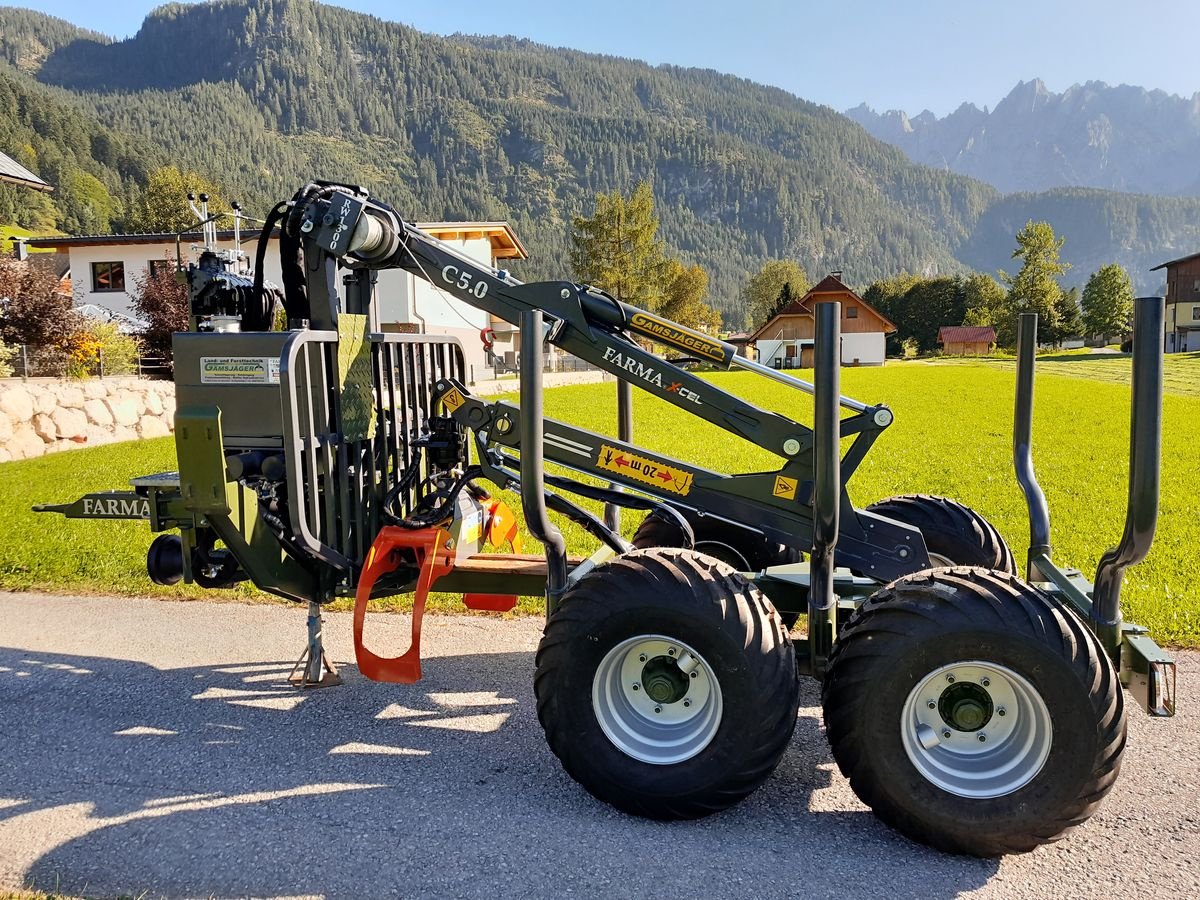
{"x": 45, "y": 415}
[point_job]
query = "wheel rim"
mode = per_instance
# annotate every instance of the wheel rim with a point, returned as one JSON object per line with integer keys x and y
{"x": 976, "y": 729}
{"x": 657, "y": 699}
{"x": 937, "y": 561}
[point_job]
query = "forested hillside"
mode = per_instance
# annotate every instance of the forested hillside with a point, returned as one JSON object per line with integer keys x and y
{"x": 259, "y": 95}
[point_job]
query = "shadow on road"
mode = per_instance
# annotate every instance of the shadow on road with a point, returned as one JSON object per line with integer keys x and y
{"x": 118, "y": 777}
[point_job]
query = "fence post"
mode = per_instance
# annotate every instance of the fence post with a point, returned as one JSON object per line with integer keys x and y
{"x": 25, "y": 362}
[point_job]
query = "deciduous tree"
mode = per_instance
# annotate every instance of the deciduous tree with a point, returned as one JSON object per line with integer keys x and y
{"x": 984, "y": 299}
{"x": 163, "y": 205}
{"x": 1108, "y": 302}
{"x": 762, "y": 295}
{"x": 685, "y": 288}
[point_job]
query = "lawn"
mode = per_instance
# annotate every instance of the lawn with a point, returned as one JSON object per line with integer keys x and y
{"x": 1181, "y": 371}
{"x": 951, "y": 437}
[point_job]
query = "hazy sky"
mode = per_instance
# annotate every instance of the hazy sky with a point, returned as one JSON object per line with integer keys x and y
{"x": 894, "y": 54}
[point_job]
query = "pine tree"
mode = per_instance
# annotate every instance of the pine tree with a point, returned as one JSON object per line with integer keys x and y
{"x": 618, "y": 250}
{"x": 1070, "y": 320}
{"x": 1035, "y": 287}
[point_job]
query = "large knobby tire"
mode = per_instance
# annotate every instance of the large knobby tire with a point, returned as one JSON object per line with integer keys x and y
{"x": 935, "y": 660}
{"x": 743, "y": 548}
{"x": 666, "y": 684}
{"x": 955, "y": 535}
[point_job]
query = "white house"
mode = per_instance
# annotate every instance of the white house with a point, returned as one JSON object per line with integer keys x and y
{"x": 786, "y": 341}
{"x": 105, "y": 270}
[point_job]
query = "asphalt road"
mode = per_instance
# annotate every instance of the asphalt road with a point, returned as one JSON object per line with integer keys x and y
{"x": 154, "y": 748}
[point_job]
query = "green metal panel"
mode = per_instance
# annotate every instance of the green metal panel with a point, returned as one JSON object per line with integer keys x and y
{"x": 199, "y": 446}
{"x": 355, "y": 378}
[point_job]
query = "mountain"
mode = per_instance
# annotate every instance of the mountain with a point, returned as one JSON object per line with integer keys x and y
{"x": 262, "y": 95}
{"x": 1091, "y": 135}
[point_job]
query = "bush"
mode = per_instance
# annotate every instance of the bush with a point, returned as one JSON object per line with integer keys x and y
{"x": 6, "y": 358}
{"x": 32, "y": 311}
{"x": 102, "y": 350}
{"x": 162, "y": 303}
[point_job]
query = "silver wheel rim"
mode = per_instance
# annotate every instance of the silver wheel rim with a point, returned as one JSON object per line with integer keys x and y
{"x": 976, "y": 729}
{"x": 937, "y": 561}
{"x": 635, "y": 712}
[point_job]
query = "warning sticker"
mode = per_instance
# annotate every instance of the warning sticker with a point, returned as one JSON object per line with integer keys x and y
{"x": 785, "y": 487}
{"x": 639, "y": 468}
{"x": 453, "y": 400}
{"x": 239, "y": 370}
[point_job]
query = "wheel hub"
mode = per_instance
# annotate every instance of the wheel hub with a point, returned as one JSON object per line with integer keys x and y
{"x": 976, "y": 729}
{"x": 965, "y": 706}
{"x": 657, "y": 699}
{"x": 663, "y": 681}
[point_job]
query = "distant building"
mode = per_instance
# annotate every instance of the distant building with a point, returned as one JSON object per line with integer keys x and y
{"x": 105, "y": 269}
{"x": 786, "y": 341}
{"x": 1181, "y": 331}
{"x": 967, "y": 340}
{"x": 744, "y": 342}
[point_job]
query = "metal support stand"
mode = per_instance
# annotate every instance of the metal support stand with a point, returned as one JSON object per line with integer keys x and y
{"x": 313, "y": 669}
{"x": 612, "y": 512}
{"x": 533, "y": 460}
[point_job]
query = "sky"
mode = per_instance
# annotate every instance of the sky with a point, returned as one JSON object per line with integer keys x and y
{"x": 891, "y": 54}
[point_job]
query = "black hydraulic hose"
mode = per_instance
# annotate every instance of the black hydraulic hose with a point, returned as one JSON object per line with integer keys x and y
{"x": 260, "y": 253}
{"x": 405, "y": 482}
{"x": 442, "y": 510}
{"x": 587, "y": 521}
{"x": 617, "y": 498}
{"x": 590, "y": 523}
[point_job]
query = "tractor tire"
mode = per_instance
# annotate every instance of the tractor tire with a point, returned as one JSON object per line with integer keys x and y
{"x": 666, "y": 684}
{"x": 973, "y": 713}
{"x": 743, "y": 549}
{"x": 955, "y": 535}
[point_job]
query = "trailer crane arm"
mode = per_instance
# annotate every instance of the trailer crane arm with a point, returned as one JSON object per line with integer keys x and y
{"x": 341, "y": 225}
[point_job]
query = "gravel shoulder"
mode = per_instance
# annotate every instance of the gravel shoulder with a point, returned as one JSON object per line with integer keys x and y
{"x": 154, "y": 748}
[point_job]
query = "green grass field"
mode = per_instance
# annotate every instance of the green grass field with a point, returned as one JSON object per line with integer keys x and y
{"x": 1181, "y": 371}
{"x": 952, "y": 436}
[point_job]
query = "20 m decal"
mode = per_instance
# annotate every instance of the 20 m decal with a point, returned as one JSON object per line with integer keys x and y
{"x": 645, "y": 470}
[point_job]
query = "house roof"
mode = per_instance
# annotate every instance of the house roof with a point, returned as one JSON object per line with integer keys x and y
{"x": 13, "y": 172}
{"x": 1173, "y": 262}
{"x": 505, "y": 243}
{"x": 825, "y": 290}
{"x": 966, "y": 334}
{"x": 504, "y": 240}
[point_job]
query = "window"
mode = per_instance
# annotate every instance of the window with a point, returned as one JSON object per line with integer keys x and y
{"x": 161, "y": 267}
{"x": 108, "y": 276}
{"x": 851, "y": 312}
{"x": 1196, "y": 313}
